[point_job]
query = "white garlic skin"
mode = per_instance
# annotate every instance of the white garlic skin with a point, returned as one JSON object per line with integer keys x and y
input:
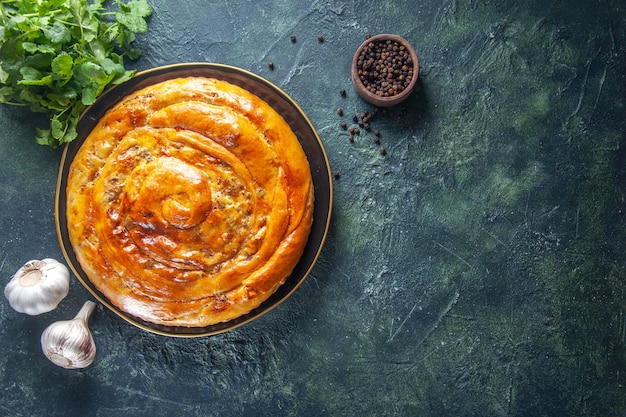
{"x": 69, "y": 343}
{"x": 38, "y": 286}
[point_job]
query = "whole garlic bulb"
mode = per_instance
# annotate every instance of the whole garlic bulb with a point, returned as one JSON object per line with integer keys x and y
{"x": 38, "y": 286}
{"x": 69, "y": 343}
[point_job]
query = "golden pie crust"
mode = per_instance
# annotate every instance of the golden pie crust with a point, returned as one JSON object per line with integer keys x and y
{"x": 189, "y": 203}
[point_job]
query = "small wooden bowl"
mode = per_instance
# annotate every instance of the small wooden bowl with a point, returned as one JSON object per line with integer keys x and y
{"x": 381, "y": 101}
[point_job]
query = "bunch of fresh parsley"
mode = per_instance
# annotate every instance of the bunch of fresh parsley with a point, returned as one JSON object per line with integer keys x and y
{"x": 58, "y": 56}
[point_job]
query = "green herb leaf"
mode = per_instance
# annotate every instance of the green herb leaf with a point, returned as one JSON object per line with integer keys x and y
{"x": 58, "y": 128}
{"x": 57, "y": 33}
{"x": 89, "y": 95}
{"x": 6, "y": 93}
{"x": 133, "y": 22}
{"x": 62, "y": 66}
{"x": 31, "y": 76}
{"x": 127, "y": 75}
{"x": 93, "y": 71}
{"x": 58, "y": 56}
{"x": 34, "y": 48}
{"x": 140, "y": 8}
{"x": 44, "y": 137}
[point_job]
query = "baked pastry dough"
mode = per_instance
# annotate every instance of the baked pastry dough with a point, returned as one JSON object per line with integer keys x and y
{"x": 189, "y": 203}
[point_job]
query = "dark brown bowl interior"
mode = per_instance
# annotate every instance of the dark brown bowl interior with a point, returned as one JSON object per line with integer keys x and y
{"x": 283, "y": 104}
{"x": 374, "y": 99}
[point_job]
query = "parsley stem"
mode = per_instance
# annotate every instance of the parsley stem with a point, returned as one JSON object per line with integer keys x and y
{"x": 12, "y": 103}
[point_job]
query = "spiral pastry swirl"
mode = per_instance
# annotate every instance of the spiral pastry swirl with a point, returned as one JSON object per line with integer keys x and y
{"x": 189, "y": 203}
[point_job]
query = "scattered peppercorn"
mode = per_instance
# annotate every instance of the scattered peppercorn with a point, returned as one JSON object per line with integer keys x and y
{"x": 293, "y": 38}
{"x": 342, "y": 92}
{"x": 363, "y": 120}
{"x": 320, "y": 38}
{"x": 271, "y": 65}
{"x": 340, "y": 111}
{"x": 336, "y": 174}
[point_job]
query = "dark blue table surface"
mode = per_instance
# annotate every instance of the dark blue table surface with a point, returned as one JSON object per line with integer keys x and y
{"x": 475, "y": 269}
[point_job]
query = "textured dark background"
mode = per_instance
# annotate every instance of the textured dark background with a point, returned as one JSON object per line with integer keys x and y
{"x": 476, "y": 269}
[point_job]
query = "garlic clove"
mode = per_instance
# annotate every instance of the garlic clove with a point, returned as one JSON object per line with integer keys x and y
{"x": 69, "y": 343}
{"x": 38, "y": 286}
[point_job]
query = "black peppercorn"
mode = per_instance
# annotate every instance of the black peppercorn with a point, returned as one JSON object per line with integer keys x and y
{"x": 384, "y": 68}
{"x": 293, "y": 38}
{"x": 320, "y": 38}
{"x": 271, "y": 65}
{"x": 343, "y": 125}
{"x": 340, "y": 111}
{"x": 342, "y": 92}
{"x": 382, "y": 151}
